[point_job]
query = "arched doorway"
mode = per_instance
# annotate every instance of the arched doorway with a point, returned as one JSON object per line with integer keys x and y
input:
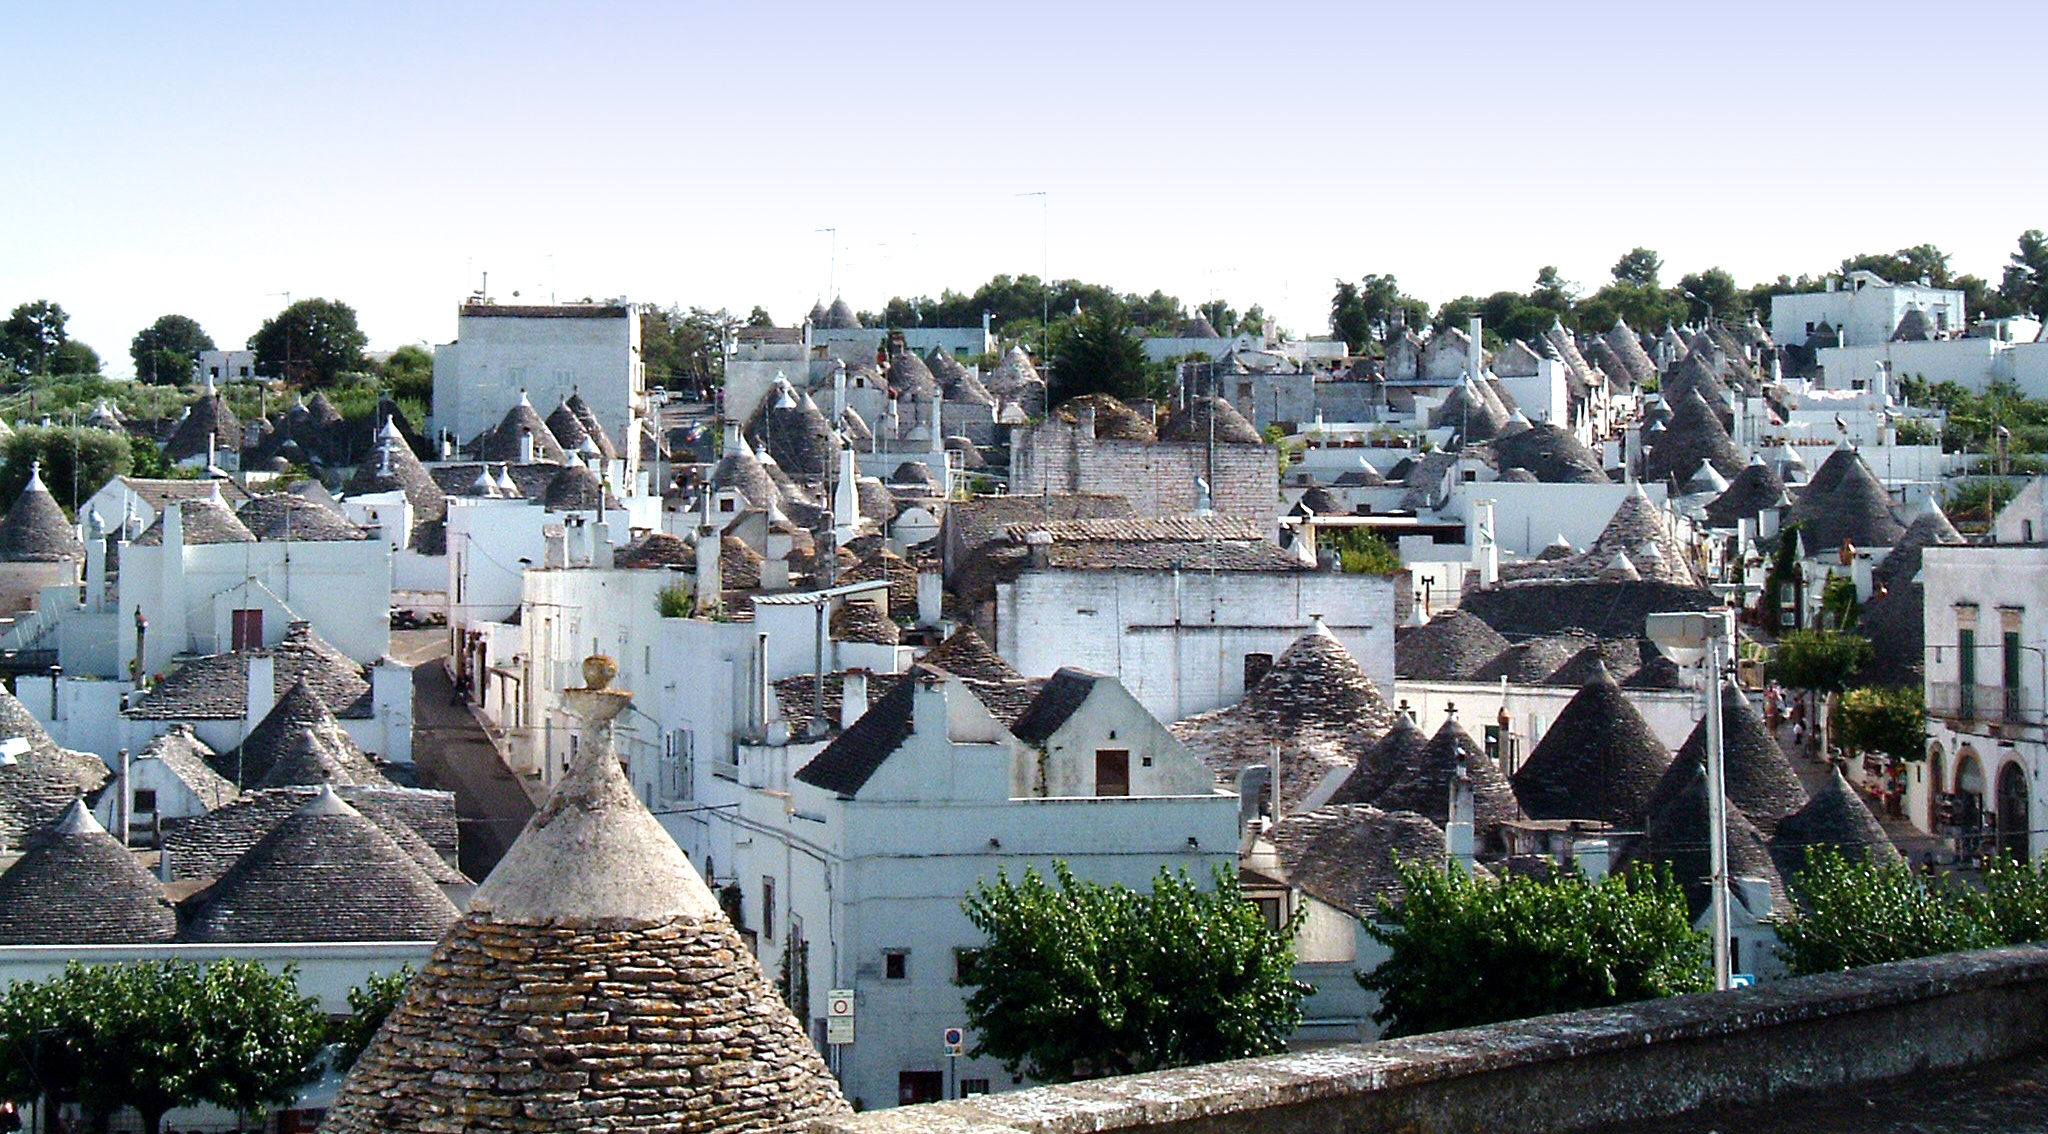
{"x": 2013, "y": 829}
{"x": 1936, "y": 785}
{"x": 1968, "y": 812}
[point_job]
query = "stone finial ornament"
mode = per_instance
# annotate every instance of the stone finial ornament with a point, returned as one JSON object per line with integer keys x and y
{"x": 598, "y": 671}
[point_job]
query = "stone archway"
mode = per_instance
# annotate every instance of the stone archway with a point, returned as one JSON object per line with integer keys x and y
{"x": 1936, "y": 784}
{"x": 2014, "y": 831}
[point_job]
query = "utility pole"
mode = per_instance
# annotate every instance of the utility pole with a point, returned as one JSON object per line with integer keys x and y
{"x": 1044, "y": 271}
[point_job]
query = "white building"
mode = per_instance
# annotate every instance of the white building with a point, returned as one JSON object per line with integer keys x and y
{"x": 1862, "y": 309}
{"x": 223, "y": 366}
{"x": 1986, "y": 634}
{"x": 549, "y": 353}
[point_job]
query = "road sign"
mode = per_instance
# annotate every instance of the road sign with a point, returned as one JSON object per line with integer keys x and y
{"x": 839, "y": 1002}
{"x": 1740, "y": 980}
{"x": 955, "y": 1040}
{"x": 839, "y": 1016}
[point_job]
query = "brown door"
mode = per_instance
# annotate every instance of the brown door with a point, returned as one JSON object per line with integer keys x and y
{"x": 1112, "y": 771}
{"x": 246, "y": 627}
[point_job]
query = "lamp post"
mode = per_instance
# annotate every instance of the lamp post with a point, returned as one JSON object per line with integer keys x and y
{"x": 1711, "y": 631}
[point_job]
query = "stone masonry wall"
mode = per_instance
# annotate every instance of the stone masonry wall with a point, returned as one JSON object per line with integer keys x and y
{"x": 523, "y": 1028}
{"x": 1568, "y": 1072}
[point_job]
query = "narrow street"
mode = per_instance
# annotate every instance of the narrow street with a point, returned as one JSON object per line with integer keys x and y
{"x": 454, "y": 753}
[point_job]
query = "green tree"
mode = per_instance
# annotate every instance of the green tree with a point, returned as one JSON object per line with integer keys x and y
{"x": 166, "y": 351}
{"x": 1469, "y": 950}
{"x": 1359, "y": 312}
{"x": 1220, "y": 316}
{"x": 2025, "y": 284}
{"x": 1823, "y": 662}
{"x": 1712, "y": 294}
{"x": 36, "y": 1057}
{"x": 1846, "y": 914}
{"x": 1881, "y": 719}
{"x": 255, "y": 1038}
{"x": 311, "y": 343}
{"x": 409, "y": 373}
{"x": 368, "y": 1004}
{"x": 1907, "y": 265}
{"x": 32, "y": 336}
{"x": 1079, "y": 980}
{"x": 1553, "y": 292}
{"x": 759, "y": 317}
{"x": 1099, "y": 354}
{"x": 131, "y": 1028}
{"x": 76, "y": 462}
{"x": 1361, "y": 551}
{"x": 1647, "y": 307}
{"x": 1638, "y": 266}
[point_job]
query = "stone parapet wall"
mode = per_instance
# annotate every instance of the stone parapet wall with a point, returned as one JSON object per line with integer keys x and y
{"x": 1566, "y": 1072}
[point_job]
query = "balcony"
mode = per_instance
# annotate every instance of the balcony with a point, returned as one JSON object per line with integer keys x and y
{"x": 1988, "y": 704}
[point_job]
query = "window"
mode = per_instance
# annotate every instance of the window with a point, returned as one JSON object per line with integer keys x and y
{"x": 768, "y": 908}
{"x": 1112, "y": 772}
{"x": 972, "y": 1087}
{"x": 914, "y": 1087}
{"x": 1966, "y": 671}
{"x": 245, "y": 629}
{"x": 895, "y": 964}
{"x": 145, "y": 801}
{"x": 1256, "y": 667}
{"x": 677, "y": 773}
{"x": 1273, "y": 910}
{"x": 2011, "y": 677}
{"x": 964, "y": 961}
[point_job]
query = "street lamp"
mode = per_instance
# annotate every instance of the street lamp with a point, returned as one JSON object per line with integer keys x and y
{"x": 1711, "y": 631}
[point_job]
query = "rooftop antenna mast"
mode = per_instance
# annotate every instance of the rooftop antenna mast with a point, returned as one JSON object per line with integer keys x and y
{"x": 832, "y": 271}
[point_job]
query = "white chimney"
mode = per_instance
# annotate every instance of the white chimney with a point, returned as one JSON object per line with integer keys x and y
{"x": 557, "y": 542}
{"x": 601, "y": 545}
{"x": 1458, "y": 838}
{"x": 931, "y": 588}
{"x": 853, "y": 697}
{"x": 710, "y": 586}
{"x": 1485, "y": 548}
{"x": 262, "y": 696}
{"x": 1474, "y": 364}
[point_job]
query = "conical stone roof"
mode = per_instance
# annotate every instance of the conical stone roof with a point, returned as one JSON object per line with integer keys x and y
{"x": 1636, "y": 522}
{"x": 77, "y": 885}
{"x": 1316, "y": 705}
{"x": 1597, "y": 761}
{"x": 204, "y": 519}
{"x": 594, "y": 978}
{"x": 324, "y": 874}
{"x": 566, "y": 427}
{"x": 43, "y": 782}
{"x": 911, "y": 378}
{"x": 1760, "y": 779}
{"x": 35, "y": 530}
{"x": 592, "y": 428}
{"x": 1754, "y": 489}
{"x": 1382, "y": 763}
{"x": 1630, "y": 350}
{"x": 1012, "y": 374}
{"x": 1844, "y": 502}
{"x": 1452, "y": 646}
{"x": 1424, "y": 787}
{"x": 1695, "y": 435}
{"x": 840, "y": 317}
{"x": 1192, "y": 423}
{"x": 1836, "y": 818}
{"x": 209, "y": 415}
{"x": 1676, "y": 834}
{"x": 797, "y": 436}
{"x": 1931, "y": 528}
{"x": 574, "y": 489}
{"x": 283, "y": 515}
{"x": 1554, "y": 454}
{"x": 299, "y": 743}
{"x": 503, "y": 443}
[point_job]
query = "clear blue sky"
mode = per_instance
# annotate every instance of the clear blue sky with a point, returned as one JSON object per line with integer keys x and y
{"x": 204, "y": 158}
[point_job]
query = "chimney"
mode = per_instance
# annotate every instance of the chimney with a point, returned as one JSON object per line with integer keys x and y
{"x": 1251, "y": 794}
{"x": 732, "y": 438}
{"x": 1084, "y": 423}
{"x": 1474, "y": 356}
{"x": 1039, "y": 544}
{"x": 95, "y": 563}
{"x": 838, "y": 393}
{"x": 556, "y": 539}
{"x": 775, "y": 573}
{"x": 938, "y": 445}
{"x": 601, "y": 545}
{"x": 262, "y": 695}
{"x": 124, "y": 803}
{"x": 1486, "y": 549}
{"x": 928, "y": 714}
{"x": 1458, "y": 837}
{"x": 163, "y": 862}
{"x": 710, "y": 587}
{"x": 846, "y": 498}
{"x": 853, "y": 697}
{"x": 930, "y": 595}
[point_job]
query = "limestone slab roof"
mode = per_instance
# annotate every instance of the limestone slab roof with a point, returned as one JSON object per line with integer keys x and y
{"x": 77, "y": 885}
{"x": 1931, "y": 528}
{"x": 1316, "y": 708}
{"x": 797, "y": 436}
{"x": 655, "y": 550}
{"x": 1382, "y": 761}
{"x": 188, "y": 758}
{"x": 1895, "y": 623}
{"x": 885, "y": 564}
{"x": 861, "y": 622}
{"x": 1618, "y": 658}
{"x": 1759, "y": 778}
{"x": 1695, "y": 436}
{"x": 35, "y": 530}
{"x": 1005, "y": 692}
{"x": 1597, "y": 761}
{"x": 855, "y": 755}
{"x": 1676, "y": 835}
{"x": 1193, "y": 423}
{"x": 208, "y": 416}
{"x": 1452, "y": 646}
{"x": 43, "y": 782}
{"x": 975, "y": 521}
{"x": 1603, "y": 609}
{"x": 1532, "y": 660}
{"x": 592, "y": 427}
{"x": 323, "y": 873}
{"x": 1636, "y": 522}
{"x": 1424, "y": 787}
{"x": 1114, "y": 421}
{"x": 216, "y": 686}
{"x": 204, "y": 519}
{"x": 911, "y": 379}
{"x": 1835, "y": 818}
{"x": 1346, "y": 854}
{"x": 1845, "y": 502}
{"x": 282, "y": 515}
{"x": 743, "y": 472}
{"x": 1754, "y": 489}
{"x": 421, "y": 822}
{"x": 1012, "y": 373}
{"x": 798, "y": 695}
{"x": 566, "y": 428}
{"x": 503, "y": 442}
{"x": 1057, "y": 701}
{"x": 574, "y": 488}
{"x": 298, "y": 744}
{"x": 1554, "y": 454}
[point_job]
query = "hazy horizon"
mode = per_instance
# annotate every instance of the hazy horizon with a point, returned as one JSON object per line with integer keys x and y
{"x": 208, "y": 159}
